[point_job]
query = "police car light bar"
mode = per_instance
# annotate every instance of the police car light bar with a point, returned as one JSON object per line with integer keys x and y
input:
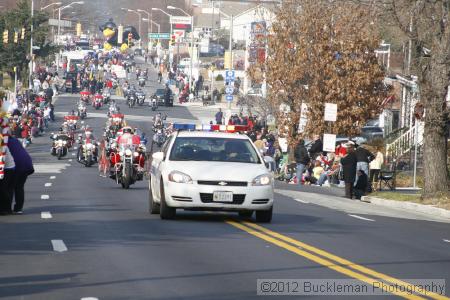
{"x": 207, "y": 127}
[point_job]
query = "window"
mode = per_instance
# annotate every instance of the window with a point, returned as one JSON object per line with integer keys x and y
{"x": 214, "y": 149}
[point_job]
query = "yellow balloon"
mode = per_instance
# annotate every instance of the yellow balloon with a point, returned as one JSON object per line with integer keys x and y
{"x": 124, "y": 47}
{"x": 107, "y": 46}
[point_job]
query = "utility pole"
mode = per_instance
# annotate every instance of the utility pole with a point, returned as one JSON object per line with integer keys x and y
{"x": 30, "y": 77}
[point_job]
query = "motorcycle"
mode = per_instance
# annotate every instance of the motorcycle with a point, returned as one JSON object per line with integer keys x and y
{"x": 159, "y": 138}
{"x": 131, "y": 99}
{"x": 141, "y": 81}
{"x": 128, "y": 165}
{"x": 154, "y": 103}
{"x": 106, "y": 96}
{"x": 82, "y": 111}
{"x": 87, "y": 153}
{"x": 60, "y": 145}
{"x": 98, "y": 101}
{"x": 112, "y": 110}
{"x": 140, "y": 95}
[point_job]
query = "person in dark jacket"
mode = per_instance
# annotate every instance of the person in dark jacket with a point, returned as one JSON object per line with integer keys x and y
{"x": 349, "y": 163}
{"x": 363, "y": 158}
{"x": 301, "y": 158}
{"x": 24, "y": 168}
{"x": 361, "y": 185}
{"x": 316, "y": 147}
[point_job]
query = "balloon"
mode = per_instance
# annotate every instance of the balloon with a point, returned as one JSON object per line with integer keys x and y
{"x": 107, "y": 46}
{"x": 110, "y": 31}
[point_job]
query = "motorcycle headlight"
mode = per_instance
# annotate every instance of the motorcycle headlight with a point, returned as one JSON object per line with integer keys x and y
{"x": 64, "y": 142}
{"x": 121, "y": 153}
{"x": 135, "y": 154}
{"x": 128, "y": 152}
{"x": 179, "y": 177}
{"x": 264, "y": 179}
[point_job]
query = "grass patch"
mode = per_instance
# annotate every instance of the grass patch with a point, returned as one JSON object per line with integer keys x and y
{"x": 440, "y": 200}
{"x": 398, "y": 196}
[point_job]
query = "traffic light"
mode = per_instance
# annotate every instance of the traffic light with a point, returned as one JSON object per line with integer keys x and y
{"x": 22, "y": 36}
{"x": 16, "y": 37}
{"x": 130, "y": 37}
{"x": 78, "y": 29}
{"x": 5, "y": 37}
{"x": 172, "y": 39}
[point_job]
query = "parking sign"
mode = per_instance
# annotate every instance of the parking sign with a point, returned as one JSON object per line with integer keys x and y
{"x": 229, "y": 90}
{"x": 229, "y": 75}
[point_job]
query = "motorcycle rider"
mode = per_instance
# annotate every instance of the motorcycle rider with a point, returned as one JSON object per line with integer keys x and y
{"x": 128, "y": 137}
{"x": 159, "y": 76}
{"x": 88, "y": 139}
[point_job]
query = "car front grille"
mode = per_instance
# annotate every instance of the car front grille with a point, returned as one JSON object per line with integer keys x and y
{"x": 208, "y": 198}
{"x": 260, "y": 201}
{"x": 222, "y": 183}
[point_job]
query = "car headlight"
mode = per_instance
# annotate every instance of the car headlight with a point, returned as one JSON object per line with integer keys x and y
{"x": 128, "y": 152}
{"x": 264, "y": 179}
{"x": 179, "y": 177}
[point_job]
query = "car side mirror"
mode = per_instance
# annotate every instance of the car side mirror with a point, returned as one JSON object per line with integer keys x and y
{"x": 158, "y": 156}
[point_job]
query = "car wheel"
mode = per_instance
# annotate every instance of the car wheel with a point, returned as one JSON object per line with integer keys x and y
{"x": 166, "y": 212}
{"x": 246, "y": 213}
{"x": 264, "y": 216}
{"x": 153, "y": 207}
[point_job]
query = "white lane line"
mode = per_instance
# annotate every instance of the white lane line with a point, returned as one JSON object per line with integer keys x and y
{"x": 70, "y": 160}
{"x": 46, "y": 215}
{"x": 59, "y": 246}
{"x": 45, "y": 197}
{"x": 48, "y": 184}
{"x": 447, "y": 241}
{"x": 361, "y": 218}
{"x": 52, "y": 177}
{"x": 75, "y": 148}
{"x": 89, "y": 298}
{"x": 73, "y": 154}
{"x": 301, "y": 201}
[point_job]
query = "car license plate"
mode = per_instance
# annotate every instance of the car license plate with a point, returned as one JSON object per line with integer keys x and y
{"x": 223, "y": 197}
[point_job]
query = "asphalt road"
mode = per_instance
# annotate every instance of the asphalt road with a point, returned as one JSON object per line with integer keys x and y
{"x": 113, "y": 249}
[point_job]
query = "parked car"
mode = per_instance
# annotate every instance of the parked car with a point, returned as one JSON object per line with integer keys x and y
{"x": 372, "y": 132}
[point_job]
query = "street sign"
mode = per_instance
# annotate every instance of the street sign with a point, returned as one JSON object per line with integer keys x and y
{"x": 63, "y": 23}
{"x": 330, "y": 112}
{"x": 329, "y": 142}
{"x": 229, "y": 90}
{"x": 229, "y": 98}
{"x": 229, "y": 75}
{"x": 180, "y": 20}
{"x": 159, "y": 36}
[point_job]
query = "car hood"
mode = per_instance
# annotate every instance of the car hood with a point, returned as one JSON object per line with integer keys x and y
{"x": 207, "y": 170}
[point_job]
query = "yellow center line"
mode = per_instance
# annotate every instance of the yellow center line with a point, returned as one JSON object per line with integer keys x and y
{"x": 340, "y": 260}
{"x": 271, "y": 238}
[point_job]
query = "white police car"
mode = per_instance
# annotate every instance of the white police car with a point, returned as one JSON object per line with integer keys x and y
{"x": 210, "y": 170}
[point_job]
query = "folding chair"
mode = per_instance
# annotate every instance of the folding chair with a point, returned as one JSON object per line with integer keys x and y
{"x": 387, "y": 179}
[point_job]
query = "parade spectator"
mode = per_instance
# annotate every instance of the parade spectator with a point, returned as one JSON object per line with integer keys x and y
{"x": 349, "y": 164}
{"x": 7, "y": 182}
{"x": 301, "y": 158}
{"x": 375, "y": 167}
{"x": 219, "y": 117}
{"x": 361, "y": 185}
{"x": 363, "y": 158}
{"x": 24, "y": 168}
{"x": 316, "y": 147}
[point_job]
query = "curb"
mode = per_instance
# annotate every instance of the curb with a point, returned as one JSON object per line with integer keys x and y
{"x": 411, "y": 206}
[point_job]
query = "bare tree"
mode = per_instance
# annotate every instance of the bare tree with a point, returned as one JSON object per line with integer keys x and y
{"x": 426, "y": 23}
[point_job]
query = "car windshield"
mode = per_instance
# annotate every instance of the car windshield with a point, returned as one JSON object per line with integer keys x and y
{"x": 372, "y": 129}
{"x": 214, "y": 149}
